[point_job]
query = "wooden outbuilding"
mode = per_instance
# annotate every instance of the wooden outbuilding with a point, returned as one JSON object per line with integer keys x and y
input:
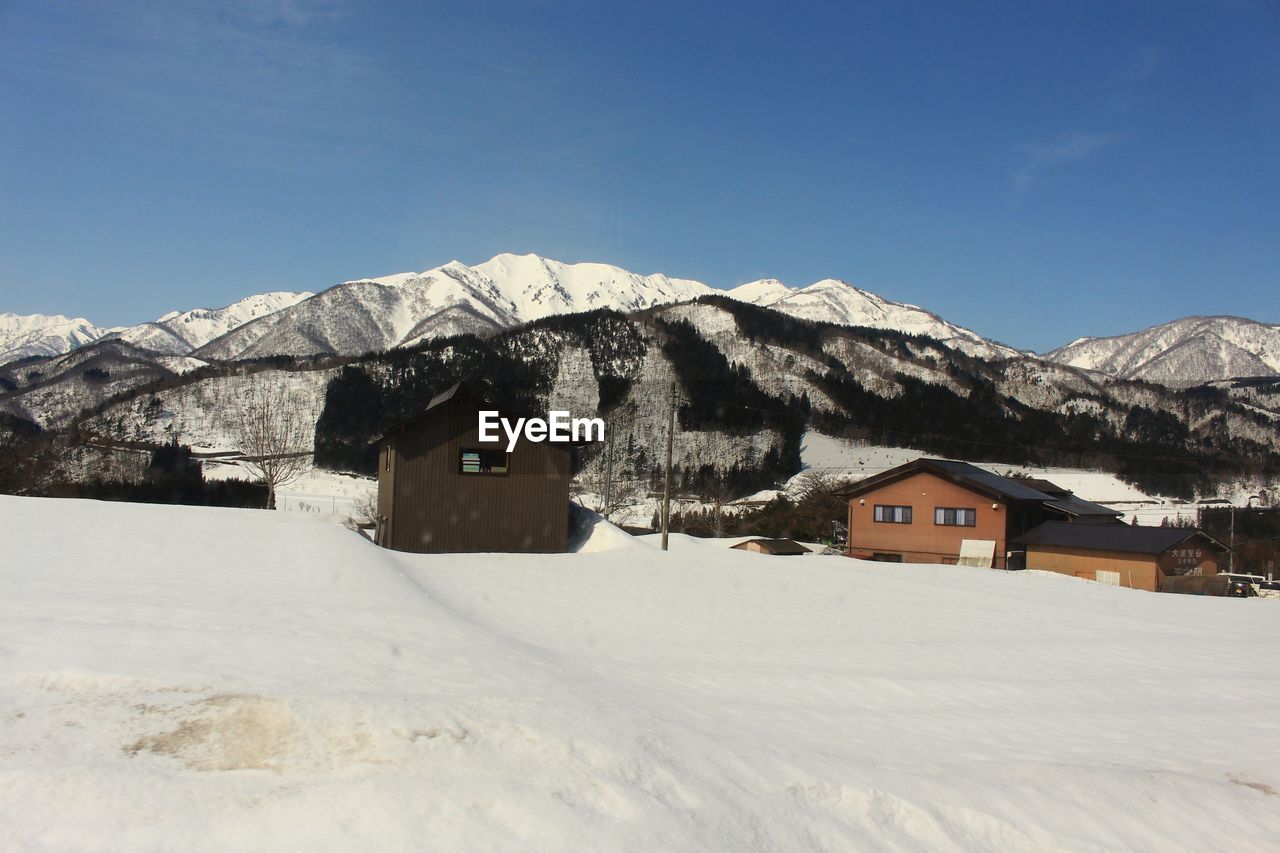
{"x": 941, "y": 511}
{"x": 1121, "y": 554}
{"x": 442, "y": 490}
{"x": 778, "y": 547}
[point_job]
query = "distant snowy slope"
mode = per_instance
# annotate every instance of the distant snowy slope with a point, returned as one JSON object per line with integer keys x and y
{"x": 407, "y": 308}
{"x": 832, "y": 301}
{"x": 1192, "y": 350}
{"x": 374, "y": 314}
{"x": 180, "y": 332}
{"x": 542, "y": 287}
{"x": 511, "y": 289}
{"x": 765, "y": 291}
{"x": 177, "y": 678}
{"x": 23, "y": 336}
{"x": 176, "y": 333}
{"x": 399, "y": 310}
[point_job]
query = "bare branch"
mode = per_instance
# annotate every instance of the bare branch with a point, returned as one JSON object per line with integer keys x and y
{"x": 271, "y": 431}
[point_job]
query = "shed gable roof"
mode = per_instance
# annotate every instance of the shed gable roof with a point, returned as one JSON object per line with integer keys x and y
{"x": 458, "y": 392}
{"x": 776, "y": 546}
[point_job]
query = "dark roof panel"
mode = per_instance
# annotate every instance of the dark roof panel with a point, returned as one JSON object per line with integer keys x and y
{"x": 1111, "y": 537}
{"x": 438, "y": 400}
{"x": 1074, "y": 506}
{"x": 1052, "y": 489}
{"x": 1006, "y": 486}
{"x": 443, "y": 397}
{"x": 959, "y": 472}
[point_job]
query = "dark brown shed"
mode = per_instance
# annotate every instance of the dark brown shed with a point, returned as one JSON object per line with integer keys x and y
{"x": 441, "y": 490}
{"x": 779, "y": 547}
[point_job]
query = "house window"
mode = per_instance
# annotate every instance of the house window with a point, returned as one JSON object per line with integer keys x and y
{"x": 472, "y": 461}
{"x": 955, "y": 516}
{"x": 893, "y": 514}
{"x": 387, "y": 458}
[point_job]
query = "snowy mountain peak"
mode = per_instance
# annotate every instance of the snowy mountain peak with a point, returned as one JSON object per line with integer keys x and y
{"x": 765, "y": 291}
{"x": 180, "y": 332}
{"x": 404, "y": 308}
{"x": 27, "y": 335}
{"x": 1191, "y": 350}
{"x": 834, "y": 301}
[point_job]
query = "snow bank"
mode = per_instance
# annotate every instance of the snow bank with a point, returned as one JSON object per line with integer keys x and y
{"x": 182, "y": 678}
{"x": 597, "y": 535}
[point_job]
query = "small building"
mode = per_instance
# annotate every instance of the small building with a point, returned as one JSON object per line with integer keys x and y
{"x": 442, "y": 490}
{"x": 777, "y": 547}
{"x": 940, "y": 511}
{"x": 1121, "y": 554}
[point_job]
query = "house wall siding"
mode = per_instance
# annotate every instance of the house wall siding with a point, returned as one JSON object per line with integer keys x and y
{"x": 1137, "y": 571}
{"x": 436, "y": 509}
{"x": 1189, "y": 558}
{"x": 922, "y": 541}
{"x": 386, "y": 487}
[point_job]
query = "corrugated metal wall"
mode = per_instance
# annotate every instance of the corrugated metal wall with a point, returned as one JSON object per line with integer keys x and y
{"x": 432, "y": 508}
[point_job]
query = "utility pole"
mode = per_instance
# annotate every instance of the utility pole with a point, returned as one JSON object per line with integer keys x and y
{"x": 666, "y": 485}
{"x": 1231, "y": 555}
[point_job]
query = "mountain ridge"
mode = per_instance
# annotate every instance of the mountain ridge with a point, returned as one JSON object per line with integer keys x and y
{"x": 408, "y": 308}
{"x": 1189, "y": 350}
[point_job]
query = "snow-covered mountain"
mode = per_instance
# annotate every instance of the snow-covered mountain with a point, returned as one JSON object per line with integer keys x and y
{"x": 176, "y": 333}
{"x": 24, "y": 336}
{"x": 833, "y": 301}
{"x": 180, "y": 332}
{"x": 407, "y": 308}
{"x": 1189, "y": 351}
{"x": 541, "y": 287}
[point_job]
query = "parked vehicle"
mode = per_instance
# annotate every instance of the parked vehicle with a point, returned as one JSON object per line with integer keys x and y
{"x": 1250, "y": 586}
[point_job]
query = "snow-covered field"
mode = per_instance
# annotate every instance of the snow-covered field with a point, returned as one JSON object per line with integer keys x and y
{"x": 178, "y": 678}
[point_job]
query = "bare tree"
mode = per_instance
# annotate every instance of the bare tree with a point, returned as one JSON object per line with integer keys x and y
{"x": 273, "y": 435}
{"x": 720, "y": 496}
{"x": 588, "y": 489}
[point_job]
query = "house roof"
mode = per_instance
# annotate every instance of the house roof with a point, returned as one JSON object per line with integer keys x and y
{"x": 1077, "y": 507}
{"x": 962, "y": 473}
{"x": 446, "y": 395}
{"x": 776, "y": 546}
{"x": 1112, "y": 537}
{"x": 460, "y": 391}
{"x": 457, "y": 389}
{"x": 1043, "y": 486}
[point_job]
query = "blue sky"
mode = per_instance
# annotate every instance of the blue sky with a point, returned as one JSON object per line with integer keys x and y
{"x": 1035, "y": 171}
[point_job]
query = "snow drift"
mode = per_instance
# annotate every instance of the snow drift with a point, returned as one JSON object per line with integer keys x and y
{"x": 174, "y": 678}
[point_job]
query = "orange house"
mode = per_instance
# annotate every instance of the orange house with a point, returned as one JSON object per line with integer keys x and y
{"x": 1121, "y": 555}
{"x": 938, "y": 511}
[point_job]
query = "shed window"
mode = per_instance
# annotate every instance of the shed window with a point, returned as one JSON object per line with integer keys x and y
{"x": 955, "y": 516}
{"x": 893, "y": 514}
{"x": 481, "y": 461}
